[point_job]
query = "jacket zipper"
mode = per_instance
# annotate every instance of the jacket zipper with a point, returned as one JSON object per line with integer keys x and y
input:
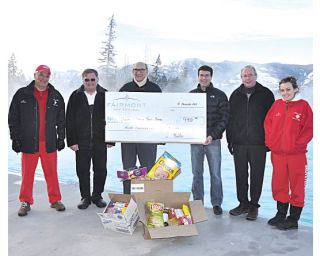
{"x": 248, "y": 98}
{"x": 284, "y": 125}
{"x": 36, "y": 130}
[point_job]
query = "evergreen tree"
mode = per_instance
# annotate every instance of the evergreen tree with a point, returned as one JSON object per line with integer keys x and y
{"x": 12, "y": 67}
{"x": 14, "y": 74}
{"x": 108, "y": 53}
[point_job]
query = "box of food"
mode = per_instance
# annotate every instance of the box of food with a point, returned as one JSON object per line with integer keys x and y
{"x": 165, "y": 168}
{"x": 183, "y": 225}
{"x": 121, "y": 214}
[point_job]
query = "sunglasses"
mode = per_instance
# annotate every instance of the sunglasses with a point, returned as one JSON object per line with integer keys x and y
{"x": 87, "y": 79}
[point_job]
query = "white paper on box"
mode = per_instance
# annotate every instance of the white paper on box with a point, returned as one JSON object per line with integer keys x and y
{"x": 136, "y": 188}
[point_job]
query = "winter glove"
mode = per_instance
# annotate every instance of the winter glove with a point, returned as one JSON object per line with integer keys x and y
{"x": 16, "y": 146}
{"x": 230, "y": 147}
{"x": 60, "y": 144}
{"x": 267, "y": 149}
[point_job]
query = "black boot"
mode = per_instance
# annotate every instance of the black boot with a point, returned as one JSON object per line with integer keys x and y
{"x": 292, "y": 221}
{"x": 281, "y": 214}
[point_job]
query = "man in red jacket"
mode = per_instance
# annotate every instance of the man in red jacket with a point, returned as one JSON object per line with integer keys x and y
{"x": 288, "y": 129}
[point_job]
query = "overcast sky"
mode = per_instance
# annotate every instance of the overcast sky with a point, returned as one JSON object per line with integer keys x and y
{"x": 68, "y": 34}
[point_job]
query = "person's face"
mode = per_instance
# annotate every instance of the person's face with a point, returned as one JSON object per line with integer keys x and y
{"x": 248, "y": 78}
{"x": 287, "y": 91}
{"x": 90, "y": 82}
{"x": 139, "y": 72}
{"x": 204, "y": 78}
{"x": 41, "y": 79}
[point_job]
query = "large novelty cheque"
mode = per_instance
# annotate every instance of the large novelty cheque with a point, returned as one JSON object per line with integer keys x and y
{"x": 156, "y": 117}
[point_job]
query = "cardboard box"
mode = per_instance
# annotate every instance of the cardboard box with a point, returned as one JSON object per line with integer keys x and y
{"x": 170, "y": 199}
{"x": 123, "y": 223}
{"x": 150, "y": 186}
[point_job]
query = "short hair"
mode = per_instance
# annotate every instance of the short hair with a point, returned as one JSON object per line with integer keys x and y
{"x": 290, "y": 79}
{"x": 251, "y": 67}
{"x": 139, "y": 62}
{"x": 205, "y": 68}
{"x": 89, "y": 71}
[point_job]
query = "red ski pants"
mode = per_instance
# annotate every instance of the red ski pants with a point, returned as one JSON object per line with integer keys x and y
{"x": 49, "y": 166}
{"x": 289, "y": 172}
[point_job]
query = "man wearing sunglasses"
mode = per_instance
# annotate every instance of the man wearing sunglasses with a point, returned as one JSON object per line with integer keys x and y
{"x": 37, "y": 129}
{"x": 85, "y": 136}
{"x": 146, "y": 152}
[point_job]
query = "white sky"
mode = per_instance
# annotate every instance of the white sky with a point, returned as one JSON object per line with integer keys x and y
{"x": 67, "y": 34}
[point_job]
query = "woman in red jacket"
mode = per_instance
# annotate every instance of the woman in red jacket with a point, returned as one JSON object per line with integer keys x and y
{"x": 288, "y": 129}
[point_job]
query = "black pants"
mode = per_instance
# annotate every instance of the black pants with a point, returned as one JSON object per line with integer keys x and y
{"x": 255, "y": 157}
{"x": 98, "y": 153}
{"x": 147, "y": 153}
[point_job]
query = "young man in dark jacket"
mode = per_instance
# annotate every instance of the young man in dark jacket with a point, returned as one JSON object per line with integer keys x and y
{"x": 217, "y": 118}
{"x": 37, "y": 129}
{"x": 147, "y": 152}
{"x": 85, "y": 136}
{"x": 249, "y": 105}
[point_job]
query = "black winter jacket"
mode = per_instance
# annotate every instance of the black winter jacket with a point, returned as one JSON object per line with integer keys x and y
{"x": 82, "y": 128}
{"x": 133, "y": 87}
{"x": 24, "y": 119}
{"x": 247, "y": 115}
{"x": 217, "y": 110}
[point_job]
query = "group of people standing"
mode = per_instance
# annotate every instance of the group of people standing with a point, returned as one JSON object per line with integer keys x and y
{"x": 254, "y": 122}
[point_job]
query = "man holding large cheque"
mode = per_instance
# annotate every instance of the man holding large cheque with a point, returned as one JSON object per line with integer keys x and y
{"x": 147, "y": 152}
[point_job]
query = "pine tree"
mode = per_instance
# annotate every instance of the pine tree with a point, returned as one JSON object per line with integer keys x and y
{"x": 14, "y": 74}
{"x": 12, "y": 67}
{"x": 156, "y": 75}
{"x": 108, "y": 53}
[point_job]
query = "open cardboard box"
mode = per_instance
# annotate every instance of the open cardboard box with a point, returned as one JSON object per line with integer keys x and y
{"x": 170, "y": 199}
{"x": 150, "y": 186}
{"x": 123, "y": 223}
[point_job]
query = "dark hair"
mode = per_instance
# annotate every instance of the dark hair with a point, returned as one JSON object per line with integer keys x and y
{"x": 289, "y": 79}
{"x": 205, "y": 68}
{"x": 89, "y": 71}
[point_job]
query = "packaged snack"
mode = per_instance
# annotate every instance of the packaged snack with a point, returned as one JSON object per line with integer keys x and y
{"x": 156, "y": 214}
{"x": 174, "y": 222}
{"x": 165, "y": 168}
{"x": 185, "y": 220}
{"x": 172, "y": 213}
{"x": 132, "y": 173}
{"x": 179, "y": 213}
{"x": 185, "y": 209}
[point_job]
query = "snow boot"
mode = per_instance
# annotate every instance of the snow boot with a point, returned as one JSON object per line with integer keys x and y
{"x": 292, "y": 220}
{"x": 281, "y": 214}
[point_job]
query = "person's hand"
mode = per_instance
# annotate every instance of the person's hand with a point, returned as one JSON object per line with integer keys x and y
{"x": 230, "y": 147}
{"x": 267, "y": 149}
{"x": 60, "y": 144}
{"x": 110, "y": 145}
{"x": 208, "y": 141}
{"x": 16, "y": 146}
{"x": 74, "y": 147}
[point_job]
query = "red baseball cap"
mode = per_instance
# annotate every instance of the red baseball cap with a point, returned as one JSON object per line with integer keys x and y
{"x": 43, "y": 68}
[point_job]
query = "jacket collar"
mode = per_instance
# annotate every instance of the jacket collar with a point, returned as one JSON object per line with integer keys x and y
{"x": 99, "y": 89}
{"x": 30, "y": 88}
{"x": 209, "y": 88}
{"x": 258, "y": 87}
